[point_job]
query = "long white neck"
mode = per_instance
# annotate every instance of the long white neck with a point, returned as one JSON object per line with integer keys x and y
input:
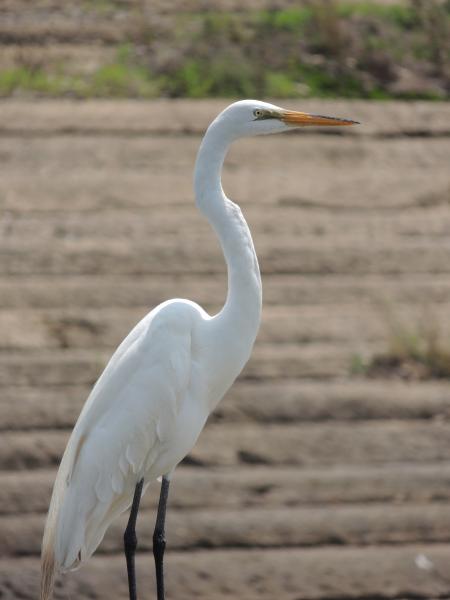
{"x": 241, "y": 313}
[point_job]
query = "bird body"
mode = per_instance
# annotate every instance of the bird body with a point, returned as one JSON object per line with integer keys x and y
{"x": 151, "y": 402}
{"x": 141, "y": 419}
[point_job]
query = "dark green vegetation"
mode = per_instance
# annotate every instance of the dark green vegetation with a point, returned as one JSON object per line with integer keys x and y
{"x": 322, "y": 48}
{"x": 124, "y": 77}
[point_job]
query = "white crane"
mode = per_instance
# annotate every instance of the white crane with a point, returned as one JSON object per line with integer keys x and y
{"x": 151, "y": 402}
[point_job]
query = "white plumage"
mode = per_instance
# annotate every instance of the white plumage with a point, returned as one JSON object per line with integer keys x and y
{"x": 149, "y": 406}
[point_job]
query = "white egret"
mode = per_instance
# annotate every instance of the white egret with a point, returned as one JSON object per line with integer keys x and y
{"x": 151, "y": 402}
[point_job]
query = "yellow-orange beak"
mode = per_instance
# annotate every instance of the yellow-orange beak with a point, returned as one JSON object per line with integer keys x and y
{"x": 301, "y": 119}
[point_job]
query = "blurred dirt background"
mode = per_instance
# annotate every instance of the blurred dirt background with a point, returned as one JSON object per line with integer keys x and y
{"x": 325, "y": 472}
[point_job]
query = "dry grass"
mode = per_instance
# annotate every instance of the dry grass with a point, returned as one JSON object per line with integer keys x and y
{"x": 415, "y": 351}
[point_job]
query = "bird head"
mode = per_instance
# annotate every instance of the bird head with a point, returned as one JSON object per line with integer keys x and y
{"x": 253, "y": 117}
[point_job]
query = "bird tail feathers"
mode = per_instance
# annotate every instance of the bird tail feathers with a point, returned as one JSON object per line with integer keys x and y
{"x": 49, "y": 563}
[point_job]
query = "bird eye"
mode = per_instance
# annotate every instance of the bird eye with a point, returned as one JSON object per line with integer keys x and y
{"x": 258, "y": 113}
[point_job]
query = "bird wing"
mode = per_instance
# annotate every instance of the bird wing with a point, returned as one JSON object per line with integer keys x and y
{"x": 122, "y": 429}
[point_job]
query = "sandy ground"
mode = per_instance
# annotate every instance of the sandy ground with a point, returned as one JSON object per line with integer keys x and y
{"x": 309, "y": 482}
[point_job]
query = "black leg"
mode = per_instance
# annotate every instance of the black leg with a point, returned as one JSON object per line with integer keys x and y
{"x": 130, "y": 540}
{"x": 159, "y": 539}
